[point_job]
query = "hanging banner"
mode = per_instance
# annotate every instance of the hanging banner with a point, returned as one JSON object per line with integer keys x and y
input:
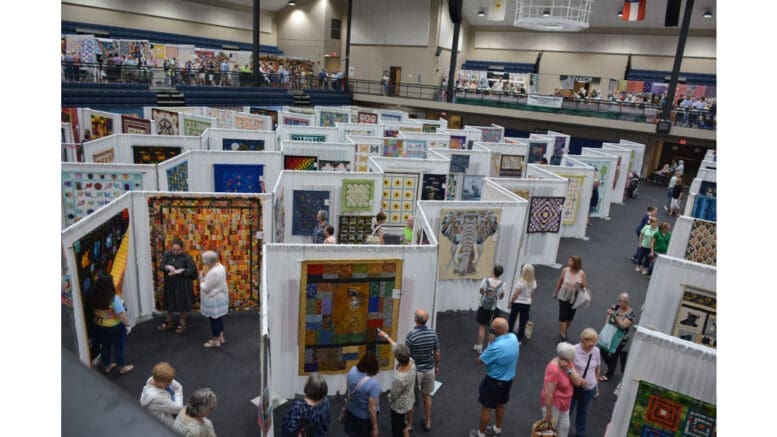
{"x": 544, "y": 101}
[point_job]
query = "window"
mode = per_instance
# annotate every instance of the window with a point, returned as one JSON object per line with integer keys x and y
{"x": 336, "y": 24}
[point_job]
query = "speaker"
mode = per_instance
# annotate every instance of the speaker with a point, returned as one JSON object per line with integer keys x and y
{"x": 672, "y": 13}
{"x": 438, "y": 51}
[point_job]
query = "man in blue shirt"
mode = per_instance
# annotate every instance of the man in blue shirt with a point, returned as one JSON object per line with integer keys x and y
{"x": 500, "y": 358}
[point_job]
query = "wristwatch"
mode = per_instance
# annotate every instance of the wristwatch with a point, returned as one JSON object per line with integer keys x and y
{"x": 569, "y": 371}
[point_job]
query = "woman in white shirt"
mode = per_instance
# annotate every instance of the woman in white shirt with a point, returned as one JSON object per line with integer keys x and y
{"x": 520, "y": 301}
{"x": 214, "y": 297}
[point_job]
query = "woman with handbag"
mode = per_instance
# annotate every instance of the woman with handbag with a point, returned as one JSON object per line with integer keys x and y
{"x": 309, "y": 417}
{"x": 620, "y": 316}
{"x": 571, "y": 280}
{"x": 560, "y": 380}
{"x": 587, "y": 363}
{"x": 360, "y": 414}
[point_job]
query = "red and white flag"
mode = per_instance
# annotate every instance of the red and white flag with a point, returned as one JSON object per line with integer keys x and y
{"x": 633, "y": 10}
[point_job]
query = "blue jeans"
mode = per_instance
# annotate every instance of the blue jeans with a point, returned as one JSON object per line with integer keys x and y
{"x": 114, "y": 338}
{"x": 643, "y": 256}
{"x": 216, "y": 326}
{"x": 582, "y": 411}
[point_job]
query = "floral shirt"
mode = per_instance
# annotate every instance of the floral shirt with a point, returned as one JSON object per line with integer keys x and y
{"x": 301, "y": 416}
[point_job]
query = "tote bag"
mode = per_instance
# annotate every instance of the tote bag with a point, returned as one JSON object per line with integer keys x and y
{"x": 610, "y": 337}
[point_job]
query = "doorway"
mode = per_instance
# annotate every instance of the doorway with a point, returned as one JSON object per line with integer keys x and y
{"x": 395, "y": 78}
{"x": 692, "y": 157}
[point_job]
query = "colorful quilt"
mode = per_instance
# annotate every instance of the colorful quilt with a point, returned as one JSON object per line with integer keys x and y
{"x": 491, "y": 135}
{"x": 452, "y": 190}
{"x": 573, "y": 200}
{"x": 399, "y": 196}
{"x": 307, "y": 203}
{"x": 84, "y": 192}
{"x": 602, "y": 167}
{"x": 295, "y": 121}
{"x": 702, "y": 243}
{"x": 458, "y": 142}
{"x": 326, "y": 165}
{"x": 238, "y": 178}
{"x": 705, "y": 208}
{"x": 363, "y": 153}
{"x": 342, "y": 303}
{"x": 429, "y": 128}
{"x": 353, "y": 229}
{"x": 224, "y": 119}
{"x": 511, "y": 166}
{"x": 153, "y": 154}
{"x": 267, "y": 112}
{"x": 178, "y": 177}
{"x": 331, "y": 118}
{"x": 536, "y": 152}
{"x": 433, "y": 187}
{"x": 697, "y": 317}
{"x": 393, "y": 147}
{"x": 390, "y": 117}
{"x": 367, "y": 117}
{"x": 662, "y": 412}
{"x": 135, "y": 125}
{"x": 101, "y": 126}
{"x": 357, "y": 195}
{"x": 471, "y": 187}
{"x": 292, "y": 162}
{"x": 227, "y": 225}
{"x": 467, "y": 243}
{"x": 308, "y": 138}
{"x": 459, "y": 163}
{"x": 166, "y": 122}
{"x": 415, "y": 149}
{"x": 194, "y": 127}
{"x": 249, "y": 122}
{"x": 544, "y": 214}
{"x": 242, "y": 145}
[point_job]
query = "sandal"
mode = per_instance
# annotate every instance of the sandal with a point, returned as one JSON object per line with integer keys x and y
{"x": 167, "y": 324}
{"x": 109, "y": 368}
{"x": 126, "y": 369}
{"x": 211, "y": 344}
{"x": 603, "y": 378}
{"x": 181, "y": 327}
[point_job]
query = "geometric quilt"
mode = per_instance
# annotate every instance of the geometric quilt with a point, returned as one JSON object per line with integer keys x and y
{"x": 153, "y": 154}
{"x": 292, "y": 162}
{"x": 697, "y": 319}
{"x": 702, "y": 243}
{"x": 661, "y": 412}
{"x": 342, "y": 303}
{"x": 178, "y": 177}
{"x": 357, "y": 195}
{"x": 166, "y": 121}
{"x": 544, "y": 214}
{"x": 574, "y": 193}
{"x": 354, "y": 229}
{"x": 399, "y": 196}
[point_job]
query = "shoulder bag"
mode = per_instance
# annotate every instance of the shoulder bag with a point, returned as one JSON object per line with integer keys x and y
{"x": 610, "y": 337}
{"x": 348, "y": 397}
{"x": 578, "y": 393}
{"x": 582, "y": 297}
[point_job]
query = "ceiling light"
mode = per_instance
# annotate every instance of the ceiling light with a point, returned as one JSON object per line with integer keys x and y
{"x": 292, "y": 3}
{"x": 620, "y": 13}
{"x": 546, "y": 13}
{"x": 481, "y": 13}
{"x": 707, "y": 14}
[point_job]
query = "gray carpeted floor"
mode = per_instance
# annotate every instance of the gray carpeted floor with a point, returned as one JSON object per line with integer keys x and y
{"x": 233, "y": 371}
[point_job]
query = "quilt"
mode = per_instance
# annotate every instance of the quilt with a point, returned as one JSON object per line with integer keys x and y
{"x": 452, "y": 190}
{"x": 367, "y": 117}
{"x": 178, "y": 177}
{"x": 459, "y": 163}
{"x": 153, "y": 154}
{"x": 342, "y": 303}
{"x": 602, "y": 167}
{"x": 705, "y": 208}
{"x": 295, "y": 121}
{"x": 429, "y": 128}
{"x": 293, "y": 162}
{"x": 536, "y": 152}
{"x": 166, "y": 122}
{"x": 702, "y": 243}
{"x": 353, "y": 229}
{"x": 662, "y": 412}
{"x": 106, "y": 156}
{"x": 242, "y": 145}
{"x": 225, "y": 224}
{"x": 415, "y": 149}
{"x": 101, "y": 126}
{"x": 279, "y": 217}
{"x": 357, "y": 195}
{"x": 238, "y": 178}
{"x": 266, "y": 112}
{"x": 458, "y": 142}
{"x": 307, "y": 203}
{"x": 342, "y": 166}
{"x": 194, "y": 127}
{"x": 709, "y": 189}
{"x": 84, "y": 192}
{"x": 511, "y": 166}
{"x": 697, "y": 317}
{"x": 135, "y": 125}
{"x": 363, "y": 153}
{"x": 249, "y": 122}
{"x": 558, "y": 150}
{"x": 399, "y": 196}
{"x": 471, "y": 187}
{"x": 224, "y": 119}
{"x": 489, "y": 135}
{"x": 393, "y": 147}
{"x": 433, "y": 187}
{"x": 544, "y": 214}
{"x": 331, "y": 118}
{"x": 573, "y": 197}
{"x": 467, "y": 243}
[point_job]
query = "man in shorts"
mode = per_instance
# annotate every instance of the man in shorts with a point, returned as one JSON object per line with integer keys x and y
{"x": 425, "y": 351}
{"x": 500, "y": 358}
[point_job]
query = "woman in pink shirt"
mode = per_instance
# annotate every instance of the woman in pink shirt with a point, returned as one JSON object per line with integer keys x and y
{"x": 560, "y": 381}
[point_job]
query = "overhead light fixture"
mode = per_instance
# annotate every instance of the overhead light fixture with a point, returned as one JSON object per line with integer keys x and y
{"x": 620, "y": 13}
{"x": 292, "y": 3}
{"x": 546, "y": 13}
{"x": 481, "y": 13}
{"x": 707, "y": 14}
{"x": 551, "y": 15}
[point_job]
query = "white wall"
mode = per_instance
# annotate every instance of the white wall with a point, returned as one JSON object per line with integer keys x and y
{"x": 396, "y": 23}
{"x": 301, "y": 30}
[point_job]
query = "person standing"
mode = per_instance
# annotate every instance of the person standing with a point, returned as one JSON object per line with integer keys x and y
{"x": 500, "y": 359}
{"x": 110, "y": 322}
{"x": 214, "y": 297}
{"x": 558, "y": 386}
{"x": 594, "y": 200}
{"x": 491, "y": 291}
{"x": 425, "y": 351}
{"x": 179, "y": 271}
{"x": 362, "y": 396}
{"x": 309, "y": 416}
{"x": 587, "y": 364}
{"x": 660, "y": 244}
{"x": 162, "y": 395}
{"x": 224, "y": 72}
{"x": 651, "y": 212}
{"x": 192, "y": 420}
{"x": 520, "y": 301}
{"x": 402, "y": 394}
{"x": 622, "y": 316}
{"x": 645, "y": 242}
{"x": 677, "y": 196}
{"x": 571, "y": 279}
{"x": 318, "y": 232}
{"x": 672, "y": 182}
{"x": 376, "y": 237}
{"x": 329, "y": 235}
{"x": 407, "y": 231}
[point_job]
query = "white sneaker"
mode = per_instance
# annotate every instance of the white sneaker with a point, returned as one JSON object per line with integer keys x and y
{"x": 478, "y": 348}
{"x": 638, "y": 269}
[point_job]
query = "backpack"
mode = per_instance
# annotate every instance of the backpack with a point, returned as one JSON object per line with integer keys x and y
{"x": 490, "y": 296}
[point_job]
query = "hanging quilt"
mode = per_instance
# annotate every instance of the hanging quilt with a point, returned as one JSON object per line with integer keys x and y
{"x": 292, "y": 162}
{"x": 267, "y": 112}
{"x": 307, "y": 203}
{"x": 467, "y": 242}
{"x": 496, "y": 164}
{"x": 135, "y": 125}
{"x": 357, "y": 195}
{"x": 84, "y": 192}
{"x": 702, "y": 243}
{"x": 331, "y": 118}
{"x": 459, "y": 163}
{"x": 308, "y": 138}
{"x": 491, "y": 135}
{"x": 458, "y": 142}
{"x": 393, "y": 148}
{"x": 224, "y": 119}
{"x": 178, "y": 177}
{"x": 662, "y": 412}
{"x": 558, "y": 150}
{"x": 341, "y": 166}
{"x": 428, "y": 128}
{"x": 295, "y": 121}
{"x": 106, "y": 156}
{"x": 101, "y": 126}
{"x": 399, "y": 196}
{"x": 342, "y": 303}
{"x": 166, "y": 122}
{"x": 544, "y": 214}
{"x": 452, "y": 190}
{"x": 602, "y": 167}
{"x": 573, "y": 198}
{"x": 242, "y": 145}
{"x": 433, "y": 187}
{"x": 390, "y": 117}
{"x": 415, "y": 149}
{"x": 367, "y": 117}
{"x": 391, "y": 133}
{"x": 471, "y": 187}
{"x": 227, "y": 225}
{"x": 511, "y": 166}
{"x": 697, "y": 317}
{"x": 354, "y": 229}
{"x": 249, "y": 122}
{"x": 238, "y": 178}
{"x": 153, "y": 154}
{"x": 194, "y": 127}
{"x": 536, "y": 152}
{"x": 705, "y": 208}
{"x": 363, "y": 153}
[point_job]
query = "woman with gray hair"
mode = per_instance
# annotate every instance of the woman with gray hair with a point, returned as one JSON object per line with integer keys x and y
{"x": 318, "y": 232}
{"x": 192, "y": 420}
{"x": 214, "y": 297}
{"x": 402, "y": 394}
{"x": 309, "y": 417}
{"x": 560, "y": 380}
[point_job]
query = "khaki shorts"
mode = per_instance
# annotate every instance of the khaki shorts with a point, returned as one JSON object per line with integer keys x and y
{"x": 426, "y": 381}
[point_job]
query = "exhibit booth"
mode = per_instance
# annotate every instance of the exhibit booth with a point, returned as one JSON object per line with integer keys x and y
{"x": 603, "y": 172}
{"x": 327, "y": 156}
{"x": 287, "y": 118}
{"x": 138, "y": 149}
{"x": 637, "y": 157}
{"x": 695, "y": 240}
{"x": 580, "y": 180}
{"x": 210, "y": 171}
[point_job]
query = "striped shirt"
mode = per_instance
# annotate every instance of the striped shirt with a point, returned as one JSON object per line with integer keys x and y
{"x": 422, "y": 342}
